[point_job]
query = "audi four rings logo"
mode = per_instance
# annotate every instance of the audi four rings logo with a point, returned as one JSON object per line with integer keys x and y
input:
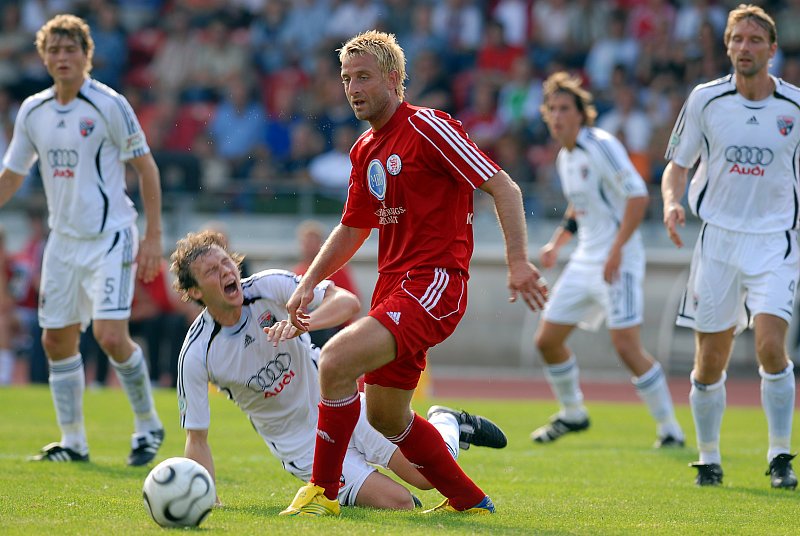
{"x": 754, "y": 156}
{"x": 62, "y": 158}
{"x": 267, "y": 376}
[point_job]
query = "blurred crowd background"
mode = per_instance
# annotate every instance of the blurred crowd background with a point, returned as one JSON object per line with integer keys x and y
{"x": 243, "y": 108}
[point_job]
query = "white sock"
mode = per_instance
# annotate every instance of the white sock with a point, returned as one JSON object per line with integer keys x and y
{"x": 67, "y": 383}
{"x": 653, "y": 390}
{"x": 777, "y": 398}
{"x": 563, "y": 380}
{"x": 6, "y": 366}
{"x": 447, "y": 426}
{"x": 134, "y": 379}
{"x": 708, "y": 405}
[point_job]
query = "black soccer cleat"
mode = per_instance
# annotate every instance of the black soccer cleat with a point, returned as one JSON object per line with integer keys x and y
{"x": 144, "y": 447}
{"x": 556, "y": 428}
{"x": 54, "y": 452}
{"x": 780, "y": 472}
{"x": 708, "y": 474}
{"x": 475, "y": 430}
{"x": 668, "y": 442}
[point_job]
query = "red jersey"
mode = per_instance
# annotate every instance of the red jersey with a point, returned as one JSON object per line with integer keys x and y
{"x": 414, "y": 180}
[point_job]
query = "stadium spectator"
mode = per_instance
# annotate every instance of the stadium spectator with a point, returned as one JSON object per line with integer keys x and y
{"x": 480, "y": 117}
{"x": 420, "y": 36}
{"x": 8, "y": 320}
{"x": 495, "y": 57}
{"x": 13, "y": 41}
{"x": 330, "y": 171}
{"x": 220, "y": 57}
{"x": 310, "y": 237}
{"x": 111, "y": 50}
{"x": 238, "y": 125}
{"x": 616, "y": 48}
{"x": 282, "y": 406}
{"x": 515, "y": 17}
{"x": 161, "y": 318}
{"x": 627, "y": 122}
{"x": 520, "y": 96}
{"x": 349, "y": 17}
{"x": 82, "y": 133}
{"x": 171, "y": 67}
{"x": 459, "y": 24}
{"x": 744, "y": 270}
{"x": 605, "y": 274}
{"x": 423, "y": 250}
{"x": 25, "y": 287}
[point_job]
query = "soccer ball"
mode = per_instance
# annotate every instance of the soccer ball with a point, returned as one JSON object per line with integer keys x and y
{"x": 179, "y": 492}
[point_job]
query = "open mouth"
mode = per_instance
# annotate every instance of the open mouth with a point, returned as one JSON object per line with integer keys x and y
{"x": 231, "y": 289}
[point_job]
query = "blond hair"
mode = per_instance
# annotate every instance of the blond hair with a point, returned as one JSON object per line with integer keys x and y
{"x": 387, "y": 52}
{"x": 562, "y": 82}
{"x": 67, "y": 26}
{"x": 755, "y": 14}
{"x": 189, "y": 249}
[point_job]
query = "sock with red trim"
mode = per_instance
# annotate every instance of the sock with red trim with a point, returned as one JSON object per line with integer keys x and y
{"x": 422, "y": 444}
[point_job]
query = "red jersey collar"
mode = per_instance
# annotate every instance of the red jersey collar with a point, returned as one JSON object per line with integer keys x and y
{"x": 401, "y": 113}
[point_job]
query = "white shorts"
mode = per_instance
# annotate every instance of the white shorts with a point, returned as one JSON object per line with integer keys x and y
{"x": 87, "y": 278}
{"x": 367, "y": 448}
{"x": 735, "y": 276}
{"x": 582, "y": 297}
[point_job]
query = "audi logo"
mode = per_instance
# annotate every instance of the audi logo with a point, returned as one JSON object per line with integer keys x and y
{"x": 761, "y": 156}
{"x": 62, "y": 158}
{"x": 265, "y": 377}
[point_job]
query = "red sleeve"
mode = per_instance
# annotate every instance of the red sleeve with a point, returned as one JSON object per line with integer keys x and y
{"x": 456, "y": 151}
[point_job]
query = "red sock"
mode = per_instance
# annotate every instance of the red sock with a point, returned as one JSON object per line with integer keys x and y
{"x": 425, "y": 448}
{"x": 336, "y": 422}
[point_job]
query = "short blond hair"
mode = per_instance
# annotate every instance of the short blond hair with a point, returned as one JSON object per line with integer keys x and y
{"x": 563, "y": 82}
{"x": 384, "y": 47}
{"x": 67, "y": 26}
{"x": 755, "y": 14}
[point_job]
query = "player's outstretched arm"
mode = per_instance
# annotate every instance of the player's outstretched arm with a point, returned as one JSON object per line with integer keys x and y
{"x": 339, "y": 248}
{"x": 673, "y": 185}
{"x": 337, "y": 307}
{"x": 150, "y": 248}
{"x": 523, "y": 277}
{"x": 198, "y": 449}
{"x": 10, "y": 182}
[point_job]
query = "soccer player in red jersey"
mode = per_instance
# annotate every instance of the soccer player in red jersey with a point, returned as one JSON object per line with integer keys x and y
{"x": 413, "y": 177}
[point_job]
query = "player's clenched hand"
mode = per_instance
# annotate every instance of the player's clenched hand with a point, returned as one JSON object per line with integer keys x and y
{"x": 524, "y": 279}
{"x": 674, "y": 215}
{"x": 297, "y": 306}
{"x": 282, "y": 331}
{"x": 148, "y": 260}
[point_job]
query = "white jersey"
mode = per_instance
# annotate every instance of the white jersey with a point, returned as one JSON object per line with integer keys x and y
{"x": 598, "y": 178}
{"x": 276, "y": 387}
{"x": 747, "y": 179}
{"x": 81, "y": 147}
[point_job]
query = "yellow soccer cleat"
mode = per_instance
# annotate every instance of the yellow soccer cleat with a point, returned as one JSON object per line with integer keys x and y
{"x": 484, "y": 507}
{"x": 311, "y": 501}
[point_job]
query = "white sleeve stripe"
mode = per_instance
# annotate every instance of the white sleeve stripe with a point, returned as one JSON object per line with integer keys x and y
{"x": 471, "y": 156}
{"x": 443, "y": 155}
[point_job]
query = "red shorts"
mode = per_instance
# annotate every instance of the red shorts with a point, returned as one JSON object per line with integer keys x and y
{"x": 421, "y": 308}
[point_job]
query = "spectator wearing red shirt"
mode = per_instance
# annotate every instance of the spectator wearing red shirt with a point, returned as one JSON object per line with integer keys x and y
{"x": 310, "y": 236}
{"x": 414, "y": 175}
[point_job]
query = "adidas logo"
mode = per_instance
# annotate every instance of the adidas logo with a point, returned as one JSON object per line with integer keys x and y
{"x": 395, "y": 316}
{"x": 324, "y": 435}
{"x": 248, "y": 340}
{"x": 61, "y": 124}
{"x": 752, "y": 120}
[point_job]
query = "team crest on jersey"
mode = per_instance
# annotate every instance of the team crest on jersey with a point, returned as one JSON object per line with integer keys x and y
{"x": 376, "y": 177}
{"x": 785, "y": 124}
{"x": 394, "y": 164}
{"x": 267, "y": 319}
{"x": 86, "y": 126}
{"x": 584, "y": 172}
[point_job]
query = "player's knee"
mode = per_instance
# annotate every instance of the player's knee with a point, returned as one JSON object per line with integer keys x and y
{"x": 334, "y": 368}
{"x": 111, "y": 341}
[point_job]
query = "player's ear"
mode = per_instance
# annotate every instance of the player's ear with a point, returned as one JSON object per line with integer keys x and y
{"x": 195, "y": 293}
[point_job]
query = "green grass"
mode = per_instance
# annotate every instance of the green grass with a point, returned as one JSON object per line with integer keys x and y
{"x": 604, "y": 481}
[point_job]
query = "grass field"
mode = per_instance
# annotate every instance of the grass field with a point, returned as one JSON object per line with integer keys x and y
{"x": 604, "y": 481}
